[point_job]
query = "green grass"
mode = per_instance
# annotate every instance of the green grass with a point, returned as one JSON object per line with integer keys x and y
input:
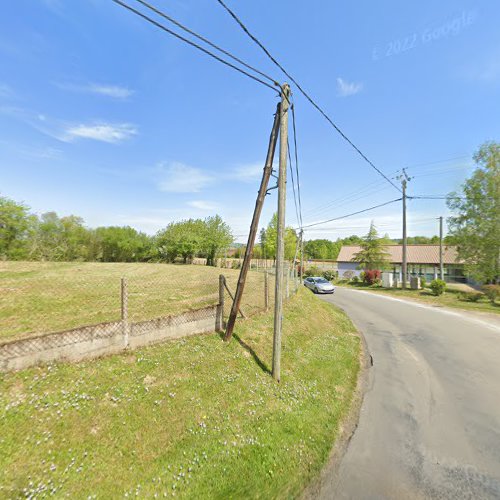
{"x": 194, "y": 418}
{"x": 42, "y": 297}
{"x": 451, "y": 298}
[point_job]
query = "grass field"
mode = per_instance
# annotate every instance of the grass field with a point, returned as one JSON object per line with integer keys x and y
{"x": 39, "y": 297}
{"x": 451, "y": 298}
{"x": 193, "y": 418}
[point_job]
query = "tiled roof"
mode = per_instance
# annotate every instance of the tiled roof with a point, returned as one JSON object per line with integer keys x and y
{"x": 416, "y": 254}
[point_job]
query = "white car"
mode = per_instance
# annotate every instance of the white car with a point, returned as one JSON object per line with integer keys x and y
{"x": 319, "y": 285}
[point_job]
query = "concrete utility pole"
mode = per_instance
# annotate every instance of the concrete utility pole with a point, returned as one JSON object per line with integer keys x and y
{"x": 280, "y": 246}
{"x": 301, "y": 254}
{"x": 268, "y": 168}
{"x": 441, "y": 266}
{"x": 404, "y": 271}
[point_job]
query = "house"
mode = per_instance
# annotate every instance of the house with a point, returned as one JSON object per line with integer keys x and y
{"x": 422, "y": 260}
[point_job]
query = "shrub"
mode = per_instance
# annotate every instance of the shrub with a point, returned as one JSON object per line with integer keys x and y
{"x": 348, "y": 275}
{"x": 329, "y": 275}
{"x": 371, "y": 276}
{"x": 438, "y": 287}
{"x": 492, "y": 292}
{"x": 471, "y": 296}
{"x": 423, "y": 281}
{"x": 235, "y": 264}
{"x": 355, "y": 279}
{"x": 312, "y": 271}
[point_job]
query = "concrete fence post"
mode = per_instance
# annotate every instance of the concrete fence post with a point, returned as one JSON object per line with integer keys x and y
{"x": 287, "y": 277}
{"x": 266, "y": 290}
{"x": 219, "y": 320}
{"x": 124, "y": 312}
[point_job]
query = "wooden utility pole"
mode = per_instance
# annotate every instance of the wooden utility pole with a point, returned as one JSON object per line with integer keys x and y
{"x": 268, "y": 167}
{"x": 280, "y": 246}
{"x": 404, "y": 180}
{"x": 441, "y": 267}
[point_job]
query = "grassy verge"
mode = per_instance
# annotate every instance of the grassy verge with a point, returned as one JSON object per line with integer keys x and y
{"x": 194, "y": 418}
{"x": 40, "y": 297}
{"x": 451, "y": 298}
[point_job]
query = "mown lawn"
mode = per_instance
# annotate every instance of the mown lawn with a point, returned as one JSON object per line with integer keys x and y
{"x": 42, "y": 297}
{"x": 194, "y": 418}
{"x": 453, "y": 297}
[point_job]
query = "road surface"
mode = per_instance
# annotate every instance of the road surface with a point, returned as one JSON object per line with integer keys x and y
{"x": 430, "y": 420}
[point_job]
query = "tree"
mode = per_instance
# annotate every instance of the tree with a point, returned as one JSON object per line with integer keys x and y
{"x": 15, "y": 225}
{"x": 184, "y": 238}
{"x": 269, "y": 238}
{"x": 372, "y": 254}
{"x": 322, "y": 249}
{"x": 121, "y": 244}
{"x": 476, "y": 226}
{"x": 217, "y": 236}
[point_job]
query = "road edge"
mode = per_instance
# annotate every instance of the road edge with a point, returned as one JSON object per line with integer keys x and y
{"x": 347, "y": 427}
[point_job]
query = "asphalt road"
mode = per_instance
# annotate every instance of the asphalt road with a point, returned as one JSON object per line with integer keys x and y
{"x": 430, "y": 420}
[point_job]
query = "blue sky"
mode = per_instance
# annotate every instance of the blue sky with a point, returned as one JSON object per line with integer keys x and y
{"x": 105, "y": 117}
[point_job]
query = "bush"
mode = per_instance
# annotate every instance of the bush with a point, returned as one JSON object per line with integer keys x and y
{"x": 312, "y": 271}
{"x": 423, "y": 281}
{"x": 471, "y": 296}
{"x": 348, "y": 275}
{"x": 355, "y": 279}
{"x": 371, "y": 276}
{"x": 438, "y": 287}
{"x": 492, "y": 292}
{"x": 329, "y": 275}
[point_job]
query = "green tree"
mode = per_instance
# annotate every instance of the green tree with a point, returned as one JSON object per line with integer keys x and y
{"x": 372, "y": 254}
{"x": 322, "y": 249}
{"x": 57, "y": 238}
{"x": 476, "y": 226}
{"x": 15, "y": 225}
{"x": 269, "y": 238}
{"x": 121, "y": 244}
{"x": 216, "y": 237}
{"x": 184, "y": 238}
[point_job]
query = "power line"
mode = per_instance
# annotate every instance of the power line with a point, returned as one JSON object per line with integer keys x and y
{"x": 305, "y": 94}
{"x": 293, "y": 187}
{"x": 346, "y": 200}
{"x": 296, "y": 161}
{"x": 190, "y": 42}
{"x": 205, "y": 40}
{"x": 435, "y": 197}
{"x": 354, "y": 213}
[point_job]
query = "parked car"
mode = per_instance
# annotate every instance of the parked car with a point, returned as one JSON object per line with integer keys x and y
{"x": 319, "y": 285}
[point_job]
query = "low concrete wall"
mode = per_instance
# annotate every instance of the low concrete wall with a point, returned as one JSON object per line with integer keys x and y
{"x": 103, "y": 339}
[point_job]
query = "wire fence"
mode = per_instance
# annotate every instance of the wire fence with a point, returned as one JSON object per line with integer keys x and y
{"x": 58, "y": 303}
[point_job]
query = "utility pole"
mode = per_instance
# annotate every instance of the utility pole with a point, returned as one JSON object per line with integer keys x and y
{"x": 441, "y": 267}
{"x": 301, "y": 254}
{"x": 404, "y": 264}
{"x": 280, "y": 246}
{"x": 268, "y": 168}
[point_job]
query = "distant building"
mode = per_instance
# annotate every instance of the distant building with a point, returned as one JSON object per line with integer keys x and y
{"x": 422, "y": 260}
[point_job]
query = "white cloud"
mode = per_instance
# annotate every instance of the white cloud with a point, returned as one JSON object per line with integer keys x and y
{"x": 248, "y": 173}
{"x": 345, "y": 88}
{"x": 207, "y": 206}
{"x": 5, "y": 90}
{"x": 105, "y": 132}
{"x": 114, "y": 91}
{"x": 110, "y": 90}
{"x": 176, "y": 177}
{"x": 54, "y": 5}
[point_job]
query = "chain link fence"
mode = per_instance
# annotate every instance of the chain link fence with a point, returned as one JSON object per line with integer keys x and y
{"x": 71, "y": 317}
